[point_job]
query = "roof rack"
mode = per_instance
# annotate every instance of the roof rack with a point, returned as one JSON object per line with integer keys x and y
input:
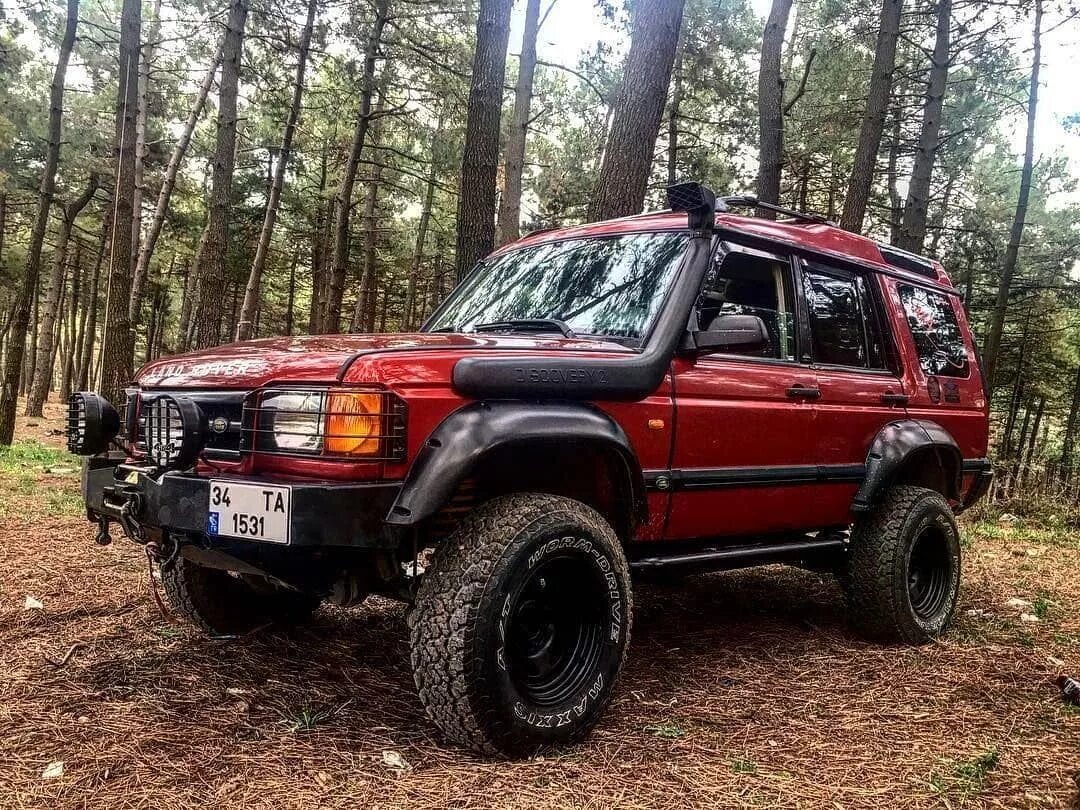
{"x": 724, "y": 204}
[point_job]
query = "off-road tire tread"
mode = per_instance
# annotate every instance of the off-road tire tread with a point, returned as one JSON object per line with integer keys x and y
{"x": 440, "y": 631}
{"x": 874, "y": 608}
{"x": 218, "y": 604}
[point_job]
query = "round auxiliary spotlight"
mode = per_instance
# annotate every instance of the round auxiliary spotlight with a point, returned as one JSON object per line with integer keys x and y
{"x": 91, "y": 424}
{"x": 174, "y": 429}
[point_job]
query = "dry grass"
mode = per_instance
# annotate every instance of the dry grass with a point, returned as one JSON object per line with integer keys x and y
{"x": 743, "y": 689}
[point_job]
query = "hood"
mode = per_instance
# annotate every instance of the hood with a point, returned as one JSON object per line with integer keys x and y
{"x": 325, "y": 358}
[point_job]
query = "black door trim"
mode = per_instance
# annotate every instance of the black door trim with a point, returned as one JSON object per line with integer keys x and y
{"x": 725, "y": 477}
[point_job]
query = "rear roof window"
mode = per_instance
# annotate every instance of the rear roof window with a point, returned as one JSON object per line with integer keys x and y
{"x": 935, "y": 330}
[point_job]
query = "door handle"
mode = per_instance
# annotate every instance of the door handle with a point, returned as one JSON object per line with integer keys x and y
{"x": 803, "y": 392}
{"x": 889, "y": 398}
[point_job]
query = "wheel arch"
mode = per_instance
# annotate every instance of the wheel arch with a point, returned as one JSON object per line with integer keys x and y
{"x": 552, "y": 438}
{"x": 910, "y": 451}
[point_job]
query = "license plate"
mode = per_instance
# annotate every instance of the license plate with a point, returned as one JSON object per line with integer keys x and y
{"x": 250, "y": 511}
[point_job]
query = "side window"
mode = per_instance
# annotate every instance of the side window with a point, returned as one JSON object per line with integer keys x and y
{"x": 746, "y": 283}
{"x": 844, "y": 330}
{"x": 938, "y": 340}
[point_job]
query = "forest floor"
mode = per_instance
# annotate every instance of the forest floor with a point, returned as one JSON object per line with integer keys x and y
{"x": 742, "y": 689}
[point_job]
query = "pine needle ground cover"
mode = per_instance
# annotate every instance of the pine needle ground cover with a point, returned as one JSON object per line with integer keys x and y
{"x": 742, "y": 689}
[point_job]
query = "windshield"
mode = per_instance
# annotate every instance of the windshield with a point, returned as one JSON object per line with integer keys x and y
{"x": 610, "y": 286}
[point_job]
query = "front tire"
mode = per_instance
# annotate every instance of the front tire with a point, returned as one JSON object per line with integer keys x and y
{"x": 521, "y": 625}
{"x": 903, "y": 576}
{"x": 221, "y": 603}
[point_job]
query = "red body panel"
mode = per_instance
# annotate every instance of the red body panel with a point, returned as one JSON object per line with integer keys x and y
{"x": 710, "y": 412}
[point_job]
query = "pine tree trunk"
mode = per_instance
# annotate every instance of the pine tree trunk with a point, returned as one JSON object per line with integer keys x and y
{"x": 212, "y": 268}
{"x": 510, "y": 202}
{"x": 67, "y": 345}
{"x": 147, "y": 245}
{"x": 410, "y": 315}
{"x": 50, "y": 313}
{"x": 628, "y": 155}
{"x": 770, "y": 106}
{"x": 674, "y": 107}
{"x": 480, "y": 158}
{"x": 331, "y": 321}
{"x": 318, "y": 246}
{"x": 118, "y": 345}
{"x": 88, "y": 327}
{"x": 20, "y": 321}
{"x": 913, "y": 229}
{"x": 290, "y": 305}
{"x": 146, "y": 59}
{"x": 896, "y": 205}
{"x": 251, "y": 292}
{"x": 1068, "y": 446}
{"x": 992, "y": 343}
{"x": 873, "y": 122}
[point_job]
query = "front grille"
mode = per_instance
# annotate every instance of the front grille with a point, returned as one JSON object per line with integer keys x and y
{"x": 224, "y": 413}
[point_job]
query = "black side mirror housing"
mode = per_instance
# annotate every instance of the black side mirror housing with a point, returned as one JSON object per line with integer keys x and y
{"x": 730, "y": 333}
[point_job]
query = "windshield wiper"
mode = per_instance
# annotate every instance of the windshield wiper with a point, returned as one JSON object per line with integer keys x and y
{"x": 527, "y": 325}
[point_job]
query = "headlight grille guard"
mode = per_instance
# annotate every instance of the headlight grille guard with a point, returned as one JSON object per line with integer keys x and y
{"x": 392, "y": 420}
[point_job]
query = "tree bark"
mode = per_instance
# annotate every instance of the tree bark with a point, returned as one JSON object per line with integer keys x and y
{"x": 480, "y": 158}
{"x": 992, "y": 343}
{"x": 118, "y": 345}
{"x": 17, "y": 333}
{"x": 410, "y": 315}
{"x": 88, "y": 327}
{"x": 873, "y": 122}
{"x": 146, "y": 58}
{"x": 39, "y": 388}
{"x": 673, "y": 113}
{"x": 913, "y": 228}
{"x": 147, "y": 245}
{"x": 251, "y": 292}
{"x": 1071, "y": 426}
{"x": 510, "y": 202}
{"x": 318, "y": 246}
{"x": 212, "y": 269}
{"x": 896, "y": 205}
{"x": 290, "y": 304}
{"x": 628, "y": 155}
{"x": 71, "y": 325}
{"x": 770, "y": 106}
{"x": 331, "y": 320}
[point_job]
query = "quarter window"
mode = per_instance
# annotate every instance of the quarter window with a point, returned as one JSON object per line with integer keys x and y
{"x": 934, "y": 328}
{"x": 842, "y": 327}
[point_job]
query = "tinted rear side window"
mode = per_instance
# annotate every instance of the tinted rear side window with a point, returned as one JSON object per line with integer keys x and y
{"x": 935, "y": 330}
{"x": 839, "y": 316}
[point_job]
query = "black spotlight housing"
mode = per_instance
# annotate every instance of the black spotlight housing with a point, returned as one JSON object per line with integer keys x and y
{"x": 698, "y": 201}
{"x": 174, "y": 429}
{"x": 92, "y": 423}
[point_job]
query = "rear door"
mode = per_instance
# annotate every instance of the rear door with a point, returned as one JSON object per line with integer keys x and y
{"x": 856, "y": 364}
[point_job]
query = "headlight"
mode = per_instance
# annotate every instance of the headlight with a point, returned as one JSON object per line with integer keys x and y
{"x": 336, "y": 423}
{"x": 292, "y": 421}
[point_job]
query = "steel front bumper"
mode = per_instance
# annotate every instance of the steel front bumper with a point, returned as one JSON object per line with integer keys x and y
{"x": 324, "y": 513}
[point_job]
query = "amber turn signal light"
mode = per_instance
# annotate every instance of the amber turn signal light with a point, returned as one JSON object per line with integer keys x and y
{"x": 352, "y": 425}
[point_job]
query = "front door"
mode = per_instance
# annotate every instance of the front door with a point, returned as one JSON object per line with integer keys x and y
{"x": 746, "y": 451}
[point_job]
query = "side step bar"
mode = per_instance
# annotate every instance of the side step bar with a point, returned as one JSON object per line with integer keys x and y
{"x": 741, "y": 556}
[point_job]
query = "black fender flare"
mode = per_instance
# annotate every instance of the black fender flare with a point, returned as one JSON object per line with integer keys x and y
{"x": 460, "y": 441}
{"x": 894, "y": 445}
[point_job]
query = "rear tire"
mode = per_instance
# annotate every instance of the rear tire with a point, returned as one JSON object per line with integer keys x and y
{"x": 903, "y": 576}
{"x": 221, "y": 603}
{"x": 520, "y": 626}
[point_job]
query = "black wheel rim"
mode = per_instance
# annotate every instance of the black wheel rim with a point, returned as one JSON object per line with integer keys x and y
{"x": 929, "y": 573}
{"x": 555, "y": 630}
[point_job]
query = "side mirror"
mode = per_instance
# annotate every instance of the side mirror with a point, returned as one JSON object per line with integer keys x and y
{"x": 730, "y": 333}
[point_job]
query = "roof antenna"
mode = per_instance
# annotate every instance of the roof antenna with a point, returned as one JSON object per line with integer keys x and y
{"x": 698, "y": 202}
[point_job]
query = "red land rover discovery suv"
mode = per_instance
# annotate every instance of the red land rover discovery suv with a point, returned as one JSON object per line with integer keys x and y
{"x": 680, "y": 390}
